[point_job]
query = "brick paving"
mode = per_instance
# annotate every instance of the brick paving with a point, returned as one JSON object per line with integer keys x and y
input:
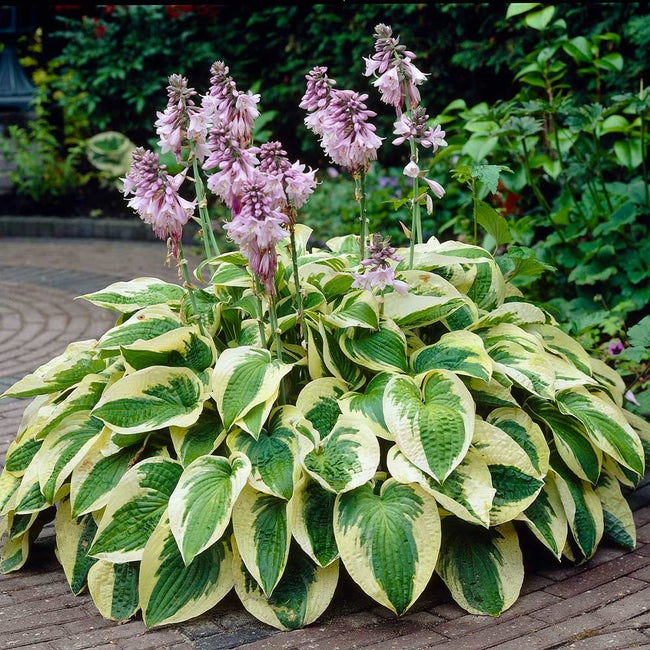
{"x": 603, "y": 604}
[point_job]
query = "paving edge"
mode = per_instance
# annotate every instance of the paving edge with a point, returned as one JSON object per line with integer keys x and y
{"x": 83, "y": 227}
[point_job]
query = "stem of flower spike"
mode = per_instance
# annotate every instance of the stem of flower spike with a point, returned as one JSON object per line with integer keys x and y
{"x": 294, "y": 263}
{"x": 209, "y": 242}
{"x": 278, "y": 346}
{"x": 182, "y": 261}
{"x": 360, "y": 196}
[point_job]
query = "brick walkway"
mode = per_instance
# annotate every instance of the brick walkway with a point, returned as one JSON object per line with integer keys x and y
{"x": 603, "y": 604}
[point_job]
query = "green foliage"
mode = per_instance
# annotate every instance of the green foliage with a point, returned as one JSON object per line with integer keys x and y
{"x": 222, "y": 435}
{"x": 577, "y": 195}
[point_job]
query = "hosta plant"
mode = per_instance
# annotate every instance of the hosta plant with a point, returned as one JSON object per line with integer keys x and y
{"x": 291, "y": 412}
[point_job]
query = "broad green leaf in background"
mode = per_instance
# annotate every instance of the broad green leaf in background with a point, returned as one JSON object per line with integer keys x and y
{"x": 432, "y": 423}
{"x": 388, "y": 541}
{"x": 484, "y": 576}
{"x": 134, "y": 509}
{"x": 127, "y": 297}
{"x": 171, "y": 592}
{"x": 201, "y": 504}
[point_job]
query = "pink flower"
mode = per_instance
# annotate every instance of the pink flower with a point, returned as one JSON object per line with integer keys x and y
{"x": 390, "y": 86}
{"x": 257, "y": 227}
{"x": 349, "y": 139}
{"x": 156, "y": 196}
{"x": 435, "y": 187}
{"x": 379, "y": 274}
{"x": 181, "y": 121}
{"x": 411, "y": 170}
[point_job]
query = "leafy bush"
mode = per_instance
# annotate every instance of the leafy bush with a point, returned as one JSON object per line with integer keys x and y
{"x": 312, "y": 409}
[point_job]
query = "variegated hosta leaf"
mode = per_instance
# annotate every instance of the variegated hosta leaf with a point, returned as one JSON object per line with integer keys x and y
{"x": 261, "y": 523}
{"x": 20, "y": 454}
{"x": 642, "y": 428}
{"x": 273, "y": 456}
{"x": 568, "y": 376}
{"x": 201, "y": 505}
{"x": 522, "y": 358}
{"x": 313, "y": 524}
{"x": 556, "y": 341}
{"x": 467, "y": 492}
{"x": 134, "y": 509}
{"x": 517, "y": 313}
{"x": 514, "y": 477}
{"x": 319, "y": 401}
{"x": 246, "y": 383}
{"x": 127, "y": 297}
{"x": 488, "y": 286}
{"x": 546, "y": 519}
{"x": 200, "y": 438}
{"x": 582, "y": 507}
{"x": 143, "y": 325}
{"x": 332, "y": 358}
{"x": 368, "y": 406}
{"x": 63, "y": 449}
{"x": 610, "y": 380}
{"x": 491, "y": 394}
{"x": 73, "y": 538}
{"x": 414, "y": 310}
{"x": 460, "y": 351}
{"x": 14, "y": 552}
{"x": 94, "y": 478}
{"x": 382, "y": 349}
{"x": 346, "y": 458}
{"x": 78, "y": 360}
{"x": 526, "y": 433}
{"x": 83, "y": 397}
{"x": 171, "y": 592}
{"x": 358, "y": 308}
{"x": 302, "y": 595}
{"x": 114, "y": 589}
{"x": 483, "y": 569}
{"x": 231, "y": 275}
{"x": 182, "y": 346}
{"x": 151, "y": 399}
{"x": 572, "y": 443}
{"x": 434, "y": 424}
{"x": 28, "y": 497}
{"x": 203, "y": 306}
{"x": 606, "y": 426}
{"x": 388, "y": 541}
{"x": 617, "y": 514}
{"x": 9, "y": 483}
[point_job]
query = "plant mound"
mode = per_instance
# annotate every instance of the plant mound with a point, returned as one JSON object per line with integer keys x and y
{"x": 308, "y": 410}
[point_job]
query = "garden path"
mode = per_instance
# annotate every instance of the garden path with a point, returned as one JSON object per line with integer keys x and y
{"x": 602, "y": 604}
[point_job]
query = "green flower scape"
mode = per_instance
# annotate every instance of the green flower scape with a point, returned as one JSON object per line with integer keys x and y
{"x": 393, "y": 413}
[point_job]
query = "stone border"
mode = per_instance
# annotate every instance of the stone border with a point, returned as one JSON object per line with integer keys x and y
{"x": 84, "y": 227}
